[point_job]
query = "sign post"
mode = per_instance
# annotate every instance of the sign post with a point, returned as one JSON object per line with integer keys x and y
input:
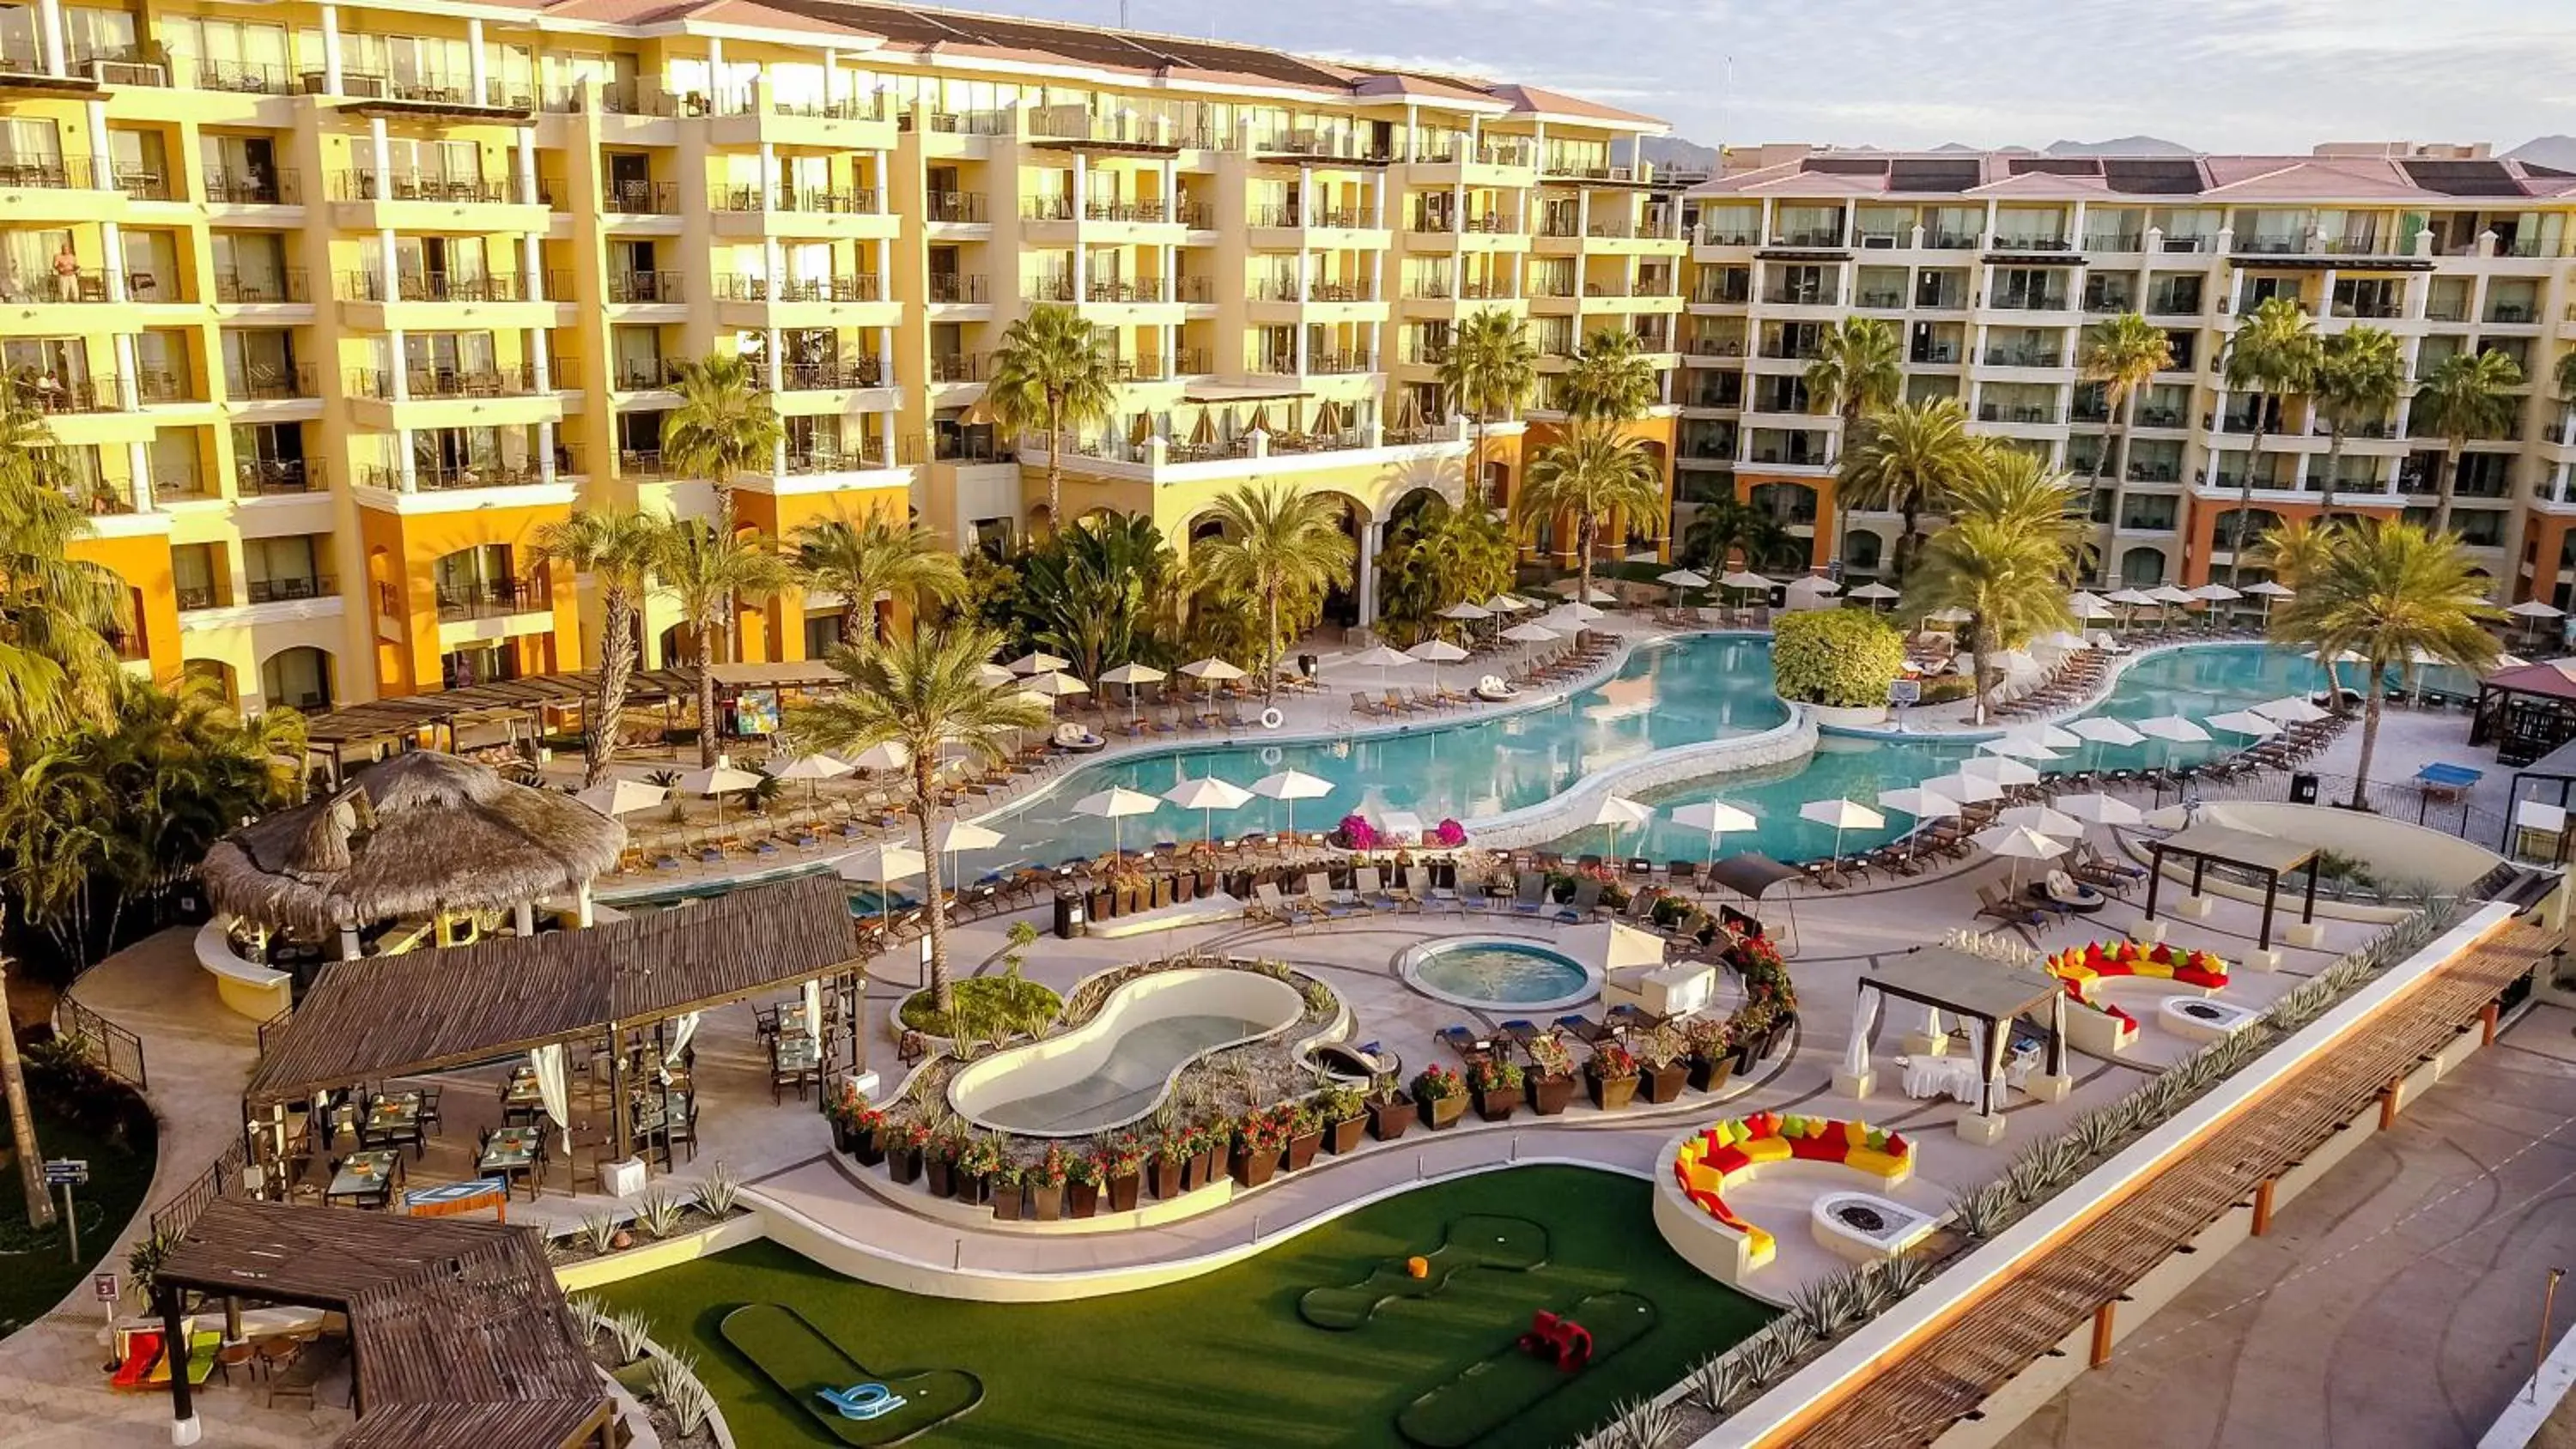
{"x": 107, "y": 1290}
{"x": 1903, "y": 694}
{"x": 68, "y": 1173}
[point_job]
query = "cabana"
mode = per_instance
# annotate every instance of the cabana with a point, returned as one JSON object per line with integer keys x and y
{"x": 388, "y": 1017}
{"x": 2526, "y": 712}
{"x": 1751, "y": 874}
{"x": 458, "y": 1333}
{"x": 2268, "y": 856}
{"x": 1989, "y": 994}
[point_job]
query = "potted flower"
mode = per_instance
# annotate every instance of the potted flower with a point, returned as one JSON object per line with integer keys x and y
{"x": 1497, "y": 1085}
{"x": 1659, "y": 1059}
{"x": 1207, "y": 1144}
{"x": 1305, "y": 1134}
{"x": 1170, "y": 1165}
{"x": 1390, "y": 1110}
{"x": 1344, "y": 1111}
{"x": 1611, "y": 1076}
{"x": 1751, "y": 1030}
{"x": 976, "y": 1173}
{"x": 857, "y": 1124}
{"x": 1120, "y": 1162}
{"x": 1449, "y": 834}
{"x": 905, "y": 1143}
{"x": 1257, "y": 1141}
{"x": 1712, "y": 1052}
{"x": 1355, "y": 833}
{"x": 1044, "y": 1182}
{"x": 1082, "y": 1187}
{"x": 945, "y": 1149}
{"x": 1441, "y": 1096}
{"x": 1550, "y": 1079}
{"x": 1009, "y": 1201}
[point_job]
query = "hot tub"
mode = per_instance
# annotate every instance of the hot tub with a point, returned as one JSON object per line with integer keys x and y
{"x": 1117, "y": 1067}
{"x": 1498, "y": 973}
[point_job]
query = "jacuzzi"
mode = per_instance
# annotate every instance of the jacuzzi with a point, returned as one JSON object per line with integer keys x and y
{"x": 1117, "y": 1068}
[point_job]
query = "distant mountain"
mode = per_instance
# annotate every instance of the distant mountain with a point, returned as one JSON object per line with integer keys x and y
{"x": 2124, "y": 146}
{"x": 1678, "y": 154}
{"x": 2552, "y": 151}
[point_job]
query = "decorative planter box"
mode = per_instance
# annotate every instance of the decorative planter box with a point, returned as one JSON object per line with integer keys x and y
{"x": 1344, "y": 1136}
{"x": 1498, "y": 1104}
{"x": 1441, "y": 1113}
{"x": 1551, "y": 1095}
{"x": 1610, "y": 1094}
{"x": 1387, "y": 1120}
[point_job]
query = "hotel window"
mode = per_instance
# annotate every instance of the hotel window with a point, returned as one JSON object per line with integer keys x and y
{"x": 20, "y": 52}
{"x": 99, "y": 35}
{"x": 227, "y": 54}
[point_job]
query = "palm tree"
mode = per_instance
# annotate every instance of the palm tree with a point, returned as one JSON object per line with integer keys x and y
{"x": 2394, "y": 594}
{"x": 2360, "y": 375}
{"x": 1053, "y": 373}
{"x": 2008, "y": 573}
{"x": 1611, "y": 381}
{"x": 1858, "y": 370}
{"x": 927, "y": 694}
{"x": 2023, "y": 490}
{"x": 2466, "y": 395}
{"x": 723, "y": 426}
{"x": 2123, "y": 354}
{"x": 1728, "y": 526}
{"x": 1488, "y": 372}
{"x": 1907, "y": 461}
{"x": 707, "y": 570}
{"x": 615, "y": 547}
{"x": 1278, "y": 543}
{"x": 22, "y": 1122}
{"x": 2295, "y": 551}
{"x": 1441, "y": 556}
{"x": 1102, "y": 592}
{"x": 57, "y": 614}
{"x": 879, "y": 555}
{"x": 1591, "y": 474}
{"x": 2273, "y": 355}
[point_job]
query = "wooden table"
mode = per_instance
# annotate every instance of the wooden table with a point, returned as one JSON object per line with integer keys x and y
{"x": 512, "y": 1152}
{"x": 393, "y": 1117}
{"x": 366, "y": 1174}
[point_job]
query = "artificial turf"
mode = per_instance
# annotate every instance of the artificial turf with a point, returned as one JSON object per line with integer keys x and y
{"x": 1224, "y": 1358}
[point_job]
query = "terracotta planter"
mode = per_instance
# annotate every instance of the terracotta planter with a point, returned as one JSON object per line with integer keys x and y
{"x": 1663, "y": 1084}
{"x": 866, "y": 1147}
{"x": 1710, "y": 1076}
{"x": 1207, "y": 881}
{"x": 1123, "y": 1191}
{"x": 1252, "y": 1169}
{"x": 1498, "y": 1104}
{"x": 943, "y": 1177}
{"x": 903, "y": 1164}
{"x": 1344, "y": 1136}
{"x": 1167, "y": 1177}
{"x": 1551, "y": 1095}
{"x": 1159, "y": 893}
{"x": 1610, "y": 1094}
{"x": 1387, "y": 1120}
{"x": 1185, "y": 888}
{"x": 1129, "y": 898}
{"x": 1442, "y": 1113}
{"x": 1045, "y": 1201}
{"x": 1204, "y": 1168}
{"x": 1007, "y": 1201}
{"x": 1081, "y": 1199}
{"x": 1104, "y": 903}
{"x": 1302, "y": 1149}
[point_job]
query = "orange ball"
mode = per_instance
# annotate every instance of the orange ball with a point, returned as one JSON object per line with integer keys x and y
{"x": 1418, "y": 1267}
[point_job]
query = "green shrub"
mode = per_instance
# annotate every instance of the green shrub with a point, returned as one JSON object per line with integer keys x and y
{"x": 1840, "y": 657}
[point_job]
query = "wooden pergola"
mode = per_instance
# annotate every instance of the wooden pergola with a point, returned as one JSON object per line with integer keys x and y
{"x": 402, "y": 1016}
{"x": 1944, "y": 978}
{"x": 458, "y": 1334}
{"x": 2268, "y": 856}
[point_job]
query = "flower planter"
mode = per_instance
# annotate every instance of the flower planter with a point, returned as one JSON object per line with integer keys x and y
{"x": 1167, "y": 1177}
{"x": 974, "y": 1188}
{"x": 1158, "y": 893}
{"x": 1498, "y": 1104}
{"x": 1198, "y": 1170}
{"x": 1081, "y": 1199}
{"x": 943, "y": 1177}
{"x": 843, "y": 1139}
{"x": 1387, "y": 1120}
{"x": 1252, "y": 1169}
{"x": 1046, "y": 1201}
{"x": 1708, "y": 1075}
{"x": 867, "y": 1148}
{"x": 1207, "y": 882}
{"x": 1007, "y": 1201}
{"x": 903, "y": 1164}
{"x": 1442, "y": 1113}
{"x": 1104, "y": 904}
{"x": 1185, "y": 889}
{"x": 1663, "y": 1084}
{"x": 1302, "y": 1149}
{"x": 1610, "y": 1094}
{"x": 1123, "y": 1191}
{"x": 1551, "y": 1095}
{"x": 1344, "y": 1136}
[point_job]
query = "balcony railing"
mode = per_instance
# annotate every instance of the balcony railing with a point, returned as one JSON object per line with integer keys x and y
{"x": 849, "y": 372}
{"x": 2512, "y": 313}
{"x": 2028, "y": 301}
{"x": 646, "y": 287}
{"x": 447, "y": 480}
{"x": 1124, "y": 290}
{"x": 193, "y": 597}
{"x": 245, "y": 78}
{"x": 1340, "y": 364}
{"x": 1143, "y": 213}
{"x": 278, "y": 477}
{"x": 290, "y": 587}
{"x": 1485, "y": 289}
{"x": 957, "y": 367}
{"x": 2032, "y": 243}
{"x": 852, "y": 201}
{"x": 1882, "y": 301}
{"x": 161, "y": 386}
{"x": 1046, "y": 208}
{"x": 454, "y": 191}
{"x": 1728, "y": 236}
{"x": 369, "y": 286}
{"x": 960, "y": 288}
{"x": 2118, "y": 241}
{"x": 61, "y": 173}
{"x": 51, "y": 393}
{"x": 645, "y": 374}
{"x": 1935, "y": 354}
{"x": 255, "y": 188}
{"x": 491, "y": 598}
{"x": 1047, "y": 288}
{"x": 746, "y": 287}
{"x": 640, "y": 198}
{"x": 1716, "y": 347}
{"x": 809, "y": 461}
{"x": 2017, "y": 413}
{"x": 955, "y": 207}
{"x": 2164, "y": 302}
{"x": 1801, "y": 297}
{"x": 269, "y": 382}
{"x": 1828, "y": 236}
{"x": 443, "y": 382}
{"x": 286, "y": 284}
{"x": 2024, "y": 357}
{"x": 2107, "y": 303}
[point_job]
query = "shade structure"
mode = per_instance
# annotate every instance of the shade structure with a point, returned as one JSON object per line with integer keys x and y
{"x": 1037, "y": 662}
{"x": 2172, "y": 594}
{"x": 1875, "y": 591}
{"x": 1211, "y": 670}
{"x": 1468, "y": 612}
{"x": 1967, "y": 788}
{"x": 716, "y": 780}
{"x": 2318, "y": 656}
{"x": 2216, "y": 594}
{"x": 993, "y": 674}
{"x": 1292, "y": 786}
{"x": 1683, "y": 578}
{"x": 2172, "y": 727}
{"x": 2130, "y": 598}
{"x": 1531, "y": 634}
{"x": 2055, "y": 737}
{"x": 1057, "y": 686}
{"x": 1948, "y": 616}
{"x": 1714, "y": 816}
{"x": 2066, "y": 640}
{"x": 1208, "y": 795}
{"x": 2000, "y": 769}
{"x": 1573, "y": 613}
{"x": 2266, "y": 588}
{"x": 1813, "y": 584}
{"x": 1379, "y": 656}
{"x": 2244, "y": 722}
{"x": 2016, "y": 747}
{"x": 1595, "y": 595}
{"x": 883, "y": 755}
{"x": 1616, "y": 812}
{"x": 2101, "y": 729}
{"x": 880, "y": 865}
{"x": 1920, "y": 801}
{"x": 614, "y": 797}
{"x": 2535, "y": 609}
{"x": 1132, "y": 674}
{"x": 1842, "y": 815}
{"x": 2100, "y": 809}
{"x": 1509, "y": 604}
{"x": 2017, "y": 843}
{"x": 1437, "y": 651}
{"x": 1744, "y": 579}
{"x": 807, "y": 767}
{"x": 2042, "y": 819}
{"x": 2290, "y": 709}
{"x": 1113, "y": 805}
{"x": 957, "y": 835}
{"x": 2089, "y": 606}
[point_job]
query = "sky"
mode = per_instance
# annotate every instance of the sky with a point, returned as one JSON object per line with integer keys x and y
{"x": 2222, "y": 75}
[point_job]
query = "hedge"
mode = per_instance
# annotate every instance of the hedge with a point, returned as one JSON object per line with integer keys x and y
{"x": 1841, "y": 657}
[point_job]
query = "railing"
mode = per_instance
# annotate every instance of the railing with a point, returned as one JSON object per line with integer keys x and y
{"x": 852, "y": 201}
{"x": 2024, "y": 357}
{"x": 1712, "y": 236}
{"x": 491, "y": 598}
{"x": 957, "y": 367}
{"x": 1937, "y": 354}
{"x": 2375, "y": 310}
{"x": 746, "y": 287}
{"x": 642, "y": 374}
{"x": 260, "y": 188}
{"x": 1143, "y": 213}
{"x": 2124, "y": 241}
{"x": 153, "y": 385}
{"x": 835, "y": 460}
{"x": 1716, "y": 347}
{"x": 1046, "y": 208}
{"x": 269, "y": 382}
{"x": 959, "y": 207}
{"x": 967, "y": 123}
{"x": 192, "y": 597}
{"x": 369, "y": 286}
{"x": 284, "y": 285}
{"x": 1944, "y": 300}
{"x": 658, "y": 286}
{"x": 245, "y": 78}
{"x": 50, "y": 393}
{"x": 425, "y": 382}
{"x": 1047, "y": 288}
{"x": 2029, "y": 301}
{"x": 1477, "y": 289}
{"x": 2513, "y": 313}
{"x": 222, "y": 1178}
{"x": 1882, "y": 301}
{"x": 2164, "y": 303}
{"x": 642, "y": 463}
{"x": 62, "y": 173}
{"x": 278, "y": 591}
{"x": 962, "y": 288}
{"x": 1831, "y": 236}
{"x": 1999, "y": 413}
{"x": 2105, "y": 302}
{"x": 640, "y": 198}
{"x": 463, "y": 191}
{"x": 66, "y": 284}
{"x": 109, "y": 1047}
{"x": 826, "y": 376}
{"x": 1120, "y": 289}
{"x": 1801, "y": 297}
{"x": 1339, "y": 364}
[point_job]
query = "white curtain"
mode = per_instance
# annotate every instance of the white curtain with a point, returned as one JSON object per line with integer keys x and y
{"x": 1864, "y": 1018}
{"x": 685, "y": 1028}
{"x": 548, "y": 1061}
{"x": 814, "y": 1008}
{"x": 1932, "y": 1026}
{"x": 1976, "y": 1056}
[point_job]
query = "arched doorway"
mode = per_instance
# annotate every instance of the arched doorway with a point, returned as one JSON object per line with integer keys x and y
{"x": 298, "y": 678}
{"x": 2242, "y": 528}
{"x": 1863, "y": 551}
{"x": 2142, "y": 568}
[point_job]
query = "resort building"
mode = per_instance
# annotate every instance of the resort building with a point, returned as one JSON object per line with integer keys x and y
{"x": 1991, "y": 265}
{"x": 335, "y": 306}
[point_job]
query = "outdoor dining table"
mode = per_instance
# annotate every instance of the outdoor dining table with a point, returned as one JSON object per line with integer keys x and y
{"x": 522, "y": 1098}
{"x": 366, "y": 1174}
{"x": 512, "y": 1153}
{"x": 795, "y": 1060}
{"x": 392, "y": 1119}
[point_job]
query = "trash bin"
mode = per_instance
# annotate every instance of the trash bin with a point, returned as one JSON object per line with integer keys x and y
{"x": 1069, "y": 920}
{"x": 1307, "y": 664}
{"x": 2303, "y": 788}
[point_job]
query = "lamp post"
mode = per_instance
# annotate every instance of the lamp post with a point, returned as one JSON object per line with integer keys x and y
{"x": 2540, "y": 1350}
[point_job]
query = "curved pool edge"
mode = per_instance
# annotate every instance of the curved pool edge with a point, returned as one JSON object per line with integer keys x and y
{"x": 1570, "y": 809}
{"x": 2121, "y": 664}
{"x": 1409, "y": 961}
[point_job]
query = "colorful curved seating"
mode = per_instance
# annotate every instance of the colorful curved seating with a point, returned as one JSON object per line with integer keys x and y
{"x": 1719, "y": 1155}
{"x": 2081, "y": 966}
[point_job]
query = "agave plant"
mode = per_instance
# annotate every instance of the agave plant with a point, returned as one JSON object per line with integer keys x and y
{"x": 1721, "y": 1380}
{"x": 1905, "y": 1273}
{"x": 599, "y": 1230}
{"x": 674, "y": 1383}
{"x": 1987, "y": 1209}
{"x": 718, "y": 1190}
{"x": 1768, "y": 1354}
{"x": 1643, "y": 1424}
{"x": 589, "y": 1315}
{"x": 632, "y": 1332}
{"x": 658, "y": 1212}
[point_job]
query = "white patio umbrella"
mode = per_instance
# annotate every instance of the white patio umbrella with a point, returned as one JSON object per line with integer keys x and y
{"x": 2130, "y": 599}
{"x": 1874, "y": 592}
{"x": 2100, "y": 809}
{"x": 1036, "y": 662}
{"x": 2346, "y": 656}
{"x": 2017, "y": 843}
{"x": 993, "y": 674}
{"x": 2290, "y": 709}
{"x": 1574, "y": 613}
{"x": 1920, "y": 801}
{"x": 1744, "y": 579}
{"x": 2173, "y": 729}
{"x": 2042, "y": 819}
{"x": 1113, "y": 805}
{"x": 2536, "y": 609}
{"x": 1466, "y": 612}
{"x": 1211, "y": 670}
{"x": 1380, "y": 658}
{"x": 1133, "y": 676}
{"x": 1683, "y": 578}
{"x": 2017, "y": 747}
{"x": 2173, "y": 594}
{"x": 1531, "y": 634}
{"x": 880, "y": 865}
{"x": 2101, "y": 729}
{"x": 1966, "y": 788}
{"x": 1714, "y": 816}
{"x": 957, "y": 835}
{"x": 1813, "y": 584}
{"x": 2244, "y": 722}
{"x": 1436, "y": 652}
{"x": 1842, "y": 815}
{"x": 1509, "y": 604}
{"x": 1617, "y": 811}
{"x": 1057, "y": 686}
{"x": 717, "y": 781}
{"x": 2216, "y": 594}
{"x": 2056, "y": 737}
{"x": 812, "y": 769}
{"x": 1208, "y": 795}
{"x": 1948, "y": 616}
{"x": 1597, "y": 594}
{"x": 883, "y": 755}
{"x": 2085, "y": 605}
{"x": 2266, "y": 588}
{"x": 1292, "y": 786}
{"x": 1998, "y": 768}
{"x": 614, "y": 797}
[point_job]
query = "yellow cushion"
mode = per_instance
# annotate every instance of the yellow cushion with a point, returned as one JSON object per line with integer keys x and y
{"x": 1877, "y": 1163}
{"x": 1855, "y": 1134}
{"x": 1766, "y": 1149}
{"x": 2163, "y": 969}
{"x": 1703, "y": 1178}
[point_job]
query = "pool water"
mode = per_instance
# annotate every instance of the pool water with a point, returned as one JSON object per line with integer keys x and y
{"x": 1129, "y": 1081}
{"x": 1500, "y": 973}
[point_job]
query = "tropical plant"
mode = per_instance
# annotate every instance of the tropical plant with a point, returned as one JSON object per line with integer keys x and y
{"x": 1053, "y": 373}
{"x": 2361, "y": 372}
{"x": 877, "y": 555}
{"x": 1611, "y": 379}
{"x": 1858, "y": 370}
{"x": 2022, "y": 488}
{"x": 2007, "y": 569}
{"x": 2393, "y": 594}
{"x": 1440, "y": 556}
{"x": 1590, "y": 474}
{"x": 615, "y": 547}
{"x": 57, "y": 614}
{"x": 2122, "y": 354}
{"x": 1102, "y": 592}
{"x": 2465, "y": 395}
{"x": 724, "y": 425}
{"x": 1840, "y": 657}
{"x": 32, "y": 1188}
{"x": 1906, "y": 462}
{"x": 658, "y": 1212}
{"x": 1277, "y": 544}
{"x": 927, "y": 694}
{"x": 718, "y": 1190}
{"x": 1489, "y": 370}
{"x": 2273, "y": 355}
{"x": 1723, "y": 527}
{"x": 708, "y": 572}
{"x": 2293, "y": 552}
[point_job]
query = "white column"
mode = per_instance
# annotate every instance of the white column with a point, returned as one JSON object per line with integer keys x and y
{"x": 95, "y": 113}
{"x": 409, "y": 464}
{"x": 545, "y": 450}
{"x": 1171, "y": 200}
{"x": 768, "y": 175}
{"x": 884, "y": 188}
{"x": 1081, "y": 262}
{"x": 1305, "y": 196}
{"x": 49, "y": 36}
{"x": 138, "y": 463}
{"x": 1368, "y": 574}
{"x": 885, "y": 291}
{"x": 583, "y": 914}
{"x": 331, "y": 68}
{"x": 885, "y": 424}
{"x": 715, "y": 65}
{"x": 127, "y": 393}
{"x": 524, "y": 916}
{"x": 349, "y": 948}
{"x": 399, "y": 373}
{"x": 388, "y": 269}
{"x": 831, "y": 77}
{"x": 771, "y": 362}
{"x": 527, "y": 171}
{"x": 478, "y": 71}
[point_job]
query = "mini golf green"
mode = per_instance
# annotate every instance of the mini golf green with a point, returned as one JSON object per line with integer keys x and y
{"x": 1509, "y": 1245}
{"x": 1511, "y": 1380}
{"x": 1225, "y": 1358}
{"x": 796, "y": 1357}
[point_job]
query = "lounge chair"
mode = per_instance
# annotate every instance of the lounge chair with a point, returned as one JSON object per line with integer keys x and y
{"x": 1587, "y": 899}
{"x": 1369, "y": 888}
{"x": 2023, "y": 918}
{"x": 1529, "y": 893}
{"x": 1419, "y": 889}
{"x": 1361, "y": 704}
{"x": 1462, "y": 1041}
{"x": 1333, "y": 903}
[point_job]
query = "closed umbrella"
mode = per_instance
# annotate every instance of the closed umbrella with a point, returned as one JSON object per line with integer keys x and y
{"x": 1436, "y": 652}
{"x": 615, "y": 797}
{"x": 1113, "y": 805}
{"x": 1715, "y": 817}
{"x": 1208, "y": 795}
{"x": 1036, "y": 662}
{"x": 880, "y": 865}
{"x": 1842, "y": 815}
{"x": 1617, "y": 811}
{"x": 2101, "y": 809}
{"x": 1292, "y": 786}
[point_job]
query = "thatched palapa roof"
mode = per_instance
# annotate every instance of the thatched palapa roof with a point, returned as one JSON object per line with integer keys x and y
{"x": 418, "y": 833}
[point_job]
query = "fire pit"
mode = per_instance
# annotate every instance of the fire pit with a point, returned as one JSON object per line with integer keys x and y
{"x": 2202, "y": 1018}
{"x": 1865, "y": 1228}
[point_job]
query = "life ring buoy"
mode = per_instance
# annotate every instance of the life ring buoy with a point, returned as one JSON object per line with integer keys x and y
{"x": 1272, "y": 719}
{"x": 1272, "y": 754}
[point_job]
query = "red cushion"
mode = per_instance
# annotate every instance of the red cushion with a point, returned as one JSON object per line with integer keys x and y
{"x": 1896, "y": 1144}
{"x": 1728, "y": 1160}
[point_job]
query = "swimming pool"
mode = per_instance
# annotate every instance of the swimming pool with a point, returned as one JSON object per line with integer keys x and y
{"x": 1118, "y": 1066}
{"x": 1479, "y": 971}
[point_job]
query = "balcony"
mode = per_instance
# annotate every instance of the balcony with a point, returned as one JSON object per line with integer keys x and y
{"x": 2032, "y": 244}
{"x": 1491, "y": 224}
{"x": 291, "y": 588}
{"x": 1882, "y": 301}
{"x": 955, "y": 208}
{"x": 645, "y": 374}
{"x": 68, "y": 285}
{"x": 1733, "y": 294}
{"x": 1322, "y": 218}
{"x": 61, "y": 173}
{"x": 1340, "y": 364}
{"x": 427, "y": 89}
{"x": 1284, "y": 289}
{"x": 286, "y": 285}
{"x": 51, "y": 393}
{"x": 1801, "y": 297}
{"x": 2116, "y": 241}
{"x": 270, "y": 382}
{"x": 748, "y": 287}
{"x": 441, "y": 190}
{"x": 1133, "y": 213}
{"x": 2028, "y": 301}
{"x": 194, "y": 597}
{"x": 646, "y": 288}
{"x": 1130, "y": 291}
{"x": 2513, "y": 314}
{"x": 958, "y": 289}
{"x": 493, "y": 598}
{"x": 852, "y": 201}
{"x": 839, "y": 375}
{"x": 273, "y": 188}
{"x": 640, "y": 198}
{"x": 2003, "y": 356}
{"x": 445, "y": 382}
{"x": 162, "y": 387}
{"x": 1953, "y": 241}
{"x": 1485, "y": 289}
{"x": 2370, "y": 310}
{"x": 1727, "y": 236}
{"x": 2173, "y": 302}
{"x": 449, "y": 480}
{"x": 278, "y": 477}
{"x": 455, "y": 287}
{"x": 1934, "y": 354}
{"x": 244, "y": 78}
{"x": 2017, "y": 413}
{"x": 1715, "y": 347}
{"x": 2155, "y": 472}
{"x": 1824, "y": 236}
